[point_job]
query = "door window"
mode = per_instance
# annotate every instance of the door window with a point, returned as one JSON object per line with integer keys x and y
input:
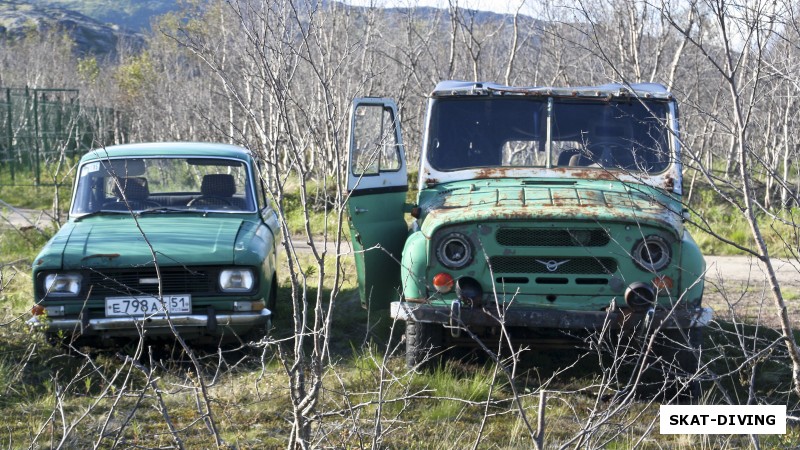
{"x": 376, "y": 148}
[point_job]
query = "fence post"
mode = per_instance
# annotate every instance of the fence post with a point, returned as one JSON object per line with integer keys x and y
{"x": 36, "y": 135}
{"x": 9, "y": 131}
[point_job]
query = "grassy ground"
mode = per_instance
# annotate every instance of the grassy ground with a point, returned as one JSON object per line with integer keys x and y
{"x": 50, "y": 394}
{"x": 711, "y": 212}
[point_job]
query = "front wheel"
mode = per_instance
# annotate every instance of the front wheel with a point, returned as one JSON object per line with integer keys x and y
{"x": 272, "y": 300}
{"x": 423, "y": 344}
{"x": 678, "y": 353}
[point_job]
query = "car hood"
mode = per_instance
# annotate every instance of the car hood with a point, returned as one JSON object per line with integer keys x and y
{"x": 175, "y": 239}
{"x": 590, "y": 201}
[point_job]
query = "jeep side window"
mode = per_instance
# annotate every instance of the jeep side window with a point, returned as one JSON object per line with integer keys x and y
{"x": 376, "y": 147}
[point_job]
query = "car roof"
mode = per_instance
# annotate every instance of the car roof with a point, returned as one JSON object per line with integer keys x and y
{"x": 169, "y": 149}
{"x": 461, "y": 88}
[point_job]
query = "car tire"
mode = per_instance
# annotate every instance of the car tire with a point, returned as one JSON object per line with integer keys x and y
{"x": 423, "y": 344}
{"x": 272, "y": 300}
{"x": 676, "y": 361}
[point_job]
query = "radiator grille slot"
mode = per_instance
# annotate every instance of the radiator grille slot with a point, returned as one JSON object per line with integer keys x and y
{"x": 542, "y": 237}
{"x": 533, "y": 264}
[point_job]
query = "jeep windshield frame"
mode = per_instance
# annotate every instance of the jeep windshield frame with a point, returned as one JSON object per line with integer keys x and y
{"x": 623, "y": 134}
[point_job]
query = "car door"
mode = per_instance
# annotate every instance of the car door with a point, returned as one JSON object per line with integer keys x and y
{"x": 377, "y": 183}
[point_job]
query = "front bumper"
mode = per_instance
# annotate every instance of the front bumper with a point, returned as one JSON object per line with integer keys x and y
{"x": 517, "y": 316}
{"x": 212, "y": 323}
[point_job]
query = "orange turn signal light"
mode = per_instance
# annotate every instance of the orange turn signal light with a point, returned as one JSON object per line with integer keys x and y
{"x": 443, "y": 282}
{"x": 663, "y": 282}
{"x": 37, "y": 310}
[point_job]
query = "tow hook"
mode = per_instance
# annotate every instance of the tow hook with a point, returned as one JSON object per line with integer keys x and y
{"x": 455, "y": 318}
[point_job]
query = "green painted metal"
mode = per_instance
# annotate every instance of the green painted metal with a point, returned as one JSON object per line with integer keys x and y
{"x": 377, "y": 231}
{"x": 537, "y": 199}
{"x": 195, "y": 149}
{"x": 693, "y": 268}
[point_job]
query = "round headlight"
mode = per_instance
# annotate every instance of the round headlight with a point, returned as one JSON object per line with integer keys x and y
{"x": 454, "y": 251}
{"x": 652, "y": 253}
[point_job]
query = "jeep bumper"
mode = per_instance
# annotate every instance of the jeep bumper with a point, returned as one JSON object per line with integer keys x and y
{"x": 517, "y": 316}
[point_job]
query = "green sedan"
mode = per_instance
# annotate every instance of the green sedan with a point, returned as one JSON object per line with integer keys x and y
{"x": 162, "y": 238}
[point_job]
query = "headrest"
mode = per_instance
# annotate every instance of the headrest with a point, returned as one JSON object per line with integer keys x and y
{"x": 218, "y": 185}
{"x": 135, "y": 188}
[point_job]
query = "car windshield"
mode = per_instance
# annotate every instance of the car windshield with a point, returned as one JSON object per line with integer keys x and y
{"x": 163, "y": 184}
{"x": 476, "y": 132}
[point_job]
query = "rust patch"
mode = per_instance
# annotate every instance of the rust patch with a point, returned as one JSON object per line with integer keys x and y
{"x": 669, "y": 183}
{"x": 491, "y": 172}
{"x": 101, "y": 255}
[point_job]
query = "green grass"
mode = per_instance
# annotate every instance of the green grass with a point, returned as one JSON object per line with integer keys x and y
{"x": 711, "y": 212}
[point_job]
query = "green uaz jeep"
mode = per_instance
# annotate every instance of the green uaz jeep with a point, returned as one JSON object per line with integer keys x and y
{"x": 545, "y": 212}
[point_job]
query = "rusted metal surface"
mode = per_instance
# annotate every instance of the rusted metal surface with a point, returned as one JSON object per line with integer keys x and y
{"x": 512, "y": 200}
{"x": 109, "y": 256}
{"x": 552, "y": 318}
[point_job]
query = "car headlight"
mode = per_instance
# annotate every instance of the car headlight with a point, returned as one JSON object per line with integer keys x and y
{"x": 454, "y": 251}
{"x": 62, "y": 284}
{"x": 236, "y": 280}
{"x": 652, "y": 253}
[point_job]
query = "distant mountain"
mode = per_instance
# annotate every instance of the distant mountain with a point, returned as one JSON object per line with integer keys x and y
{"x": 131, "y": 14}
{"x": 17, "y": 19}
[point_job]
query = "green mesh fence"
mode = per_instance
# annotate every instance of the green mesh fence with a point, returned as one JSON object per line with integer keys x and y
{"x": 41, "y": 127}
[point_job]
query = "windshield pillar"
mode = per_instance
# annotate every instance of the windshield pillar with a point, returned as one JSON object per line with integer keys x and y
{"x": 548, "y": 144}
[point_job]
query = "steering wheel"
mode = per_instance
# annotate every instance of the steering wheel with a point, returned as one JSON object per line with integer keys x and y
{"x": 608, "y": 153}
{"x": 209, "y": 200}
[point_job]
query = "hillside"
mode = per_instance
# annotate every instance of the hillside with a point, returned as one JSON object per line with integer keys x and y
{"x": 90, "y": 36}
{"x": 131, "y": 14}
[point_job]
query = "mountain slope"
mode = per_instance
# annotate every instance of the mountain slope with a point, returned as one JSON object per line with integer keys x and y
{"x": 90, "y": 36}
{"x": 131, "y": 14}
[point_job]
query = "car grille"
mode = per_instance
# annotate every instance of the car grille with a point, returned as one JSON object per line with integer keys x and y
{"x": 541, "y": 237}
{"x": 563, "y": 265}
{"x": 177, "y": 280}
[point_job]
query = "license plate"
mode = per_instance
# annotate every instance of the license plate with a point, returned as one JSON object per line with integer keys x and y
{"x": 147, "y": 305}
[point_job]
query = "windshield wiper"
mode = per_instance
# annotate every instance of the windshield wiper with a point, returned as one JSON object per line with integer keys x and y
{"x": 163, "y": 209}
{"x": 96, "y": 213}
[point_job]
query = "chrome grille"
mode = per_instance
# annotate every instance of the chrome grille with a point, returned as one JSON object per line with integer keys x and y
{"x": 174, "y": 280}
{"x": 543, "y": 237}
{"x": 538, "y": 264}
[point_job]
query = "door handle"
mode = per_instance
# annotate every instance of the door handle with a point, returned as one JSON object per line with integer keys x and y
{"x": 361, "y": 210}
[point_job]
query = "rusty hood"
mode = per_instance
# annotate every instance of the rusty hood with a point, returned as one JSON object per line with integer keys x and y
{"x": 532, "y": 199}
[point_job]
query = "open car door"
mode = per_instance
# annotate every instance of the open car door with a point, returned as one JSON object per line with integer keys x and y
{"x": 377, "y": 182}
